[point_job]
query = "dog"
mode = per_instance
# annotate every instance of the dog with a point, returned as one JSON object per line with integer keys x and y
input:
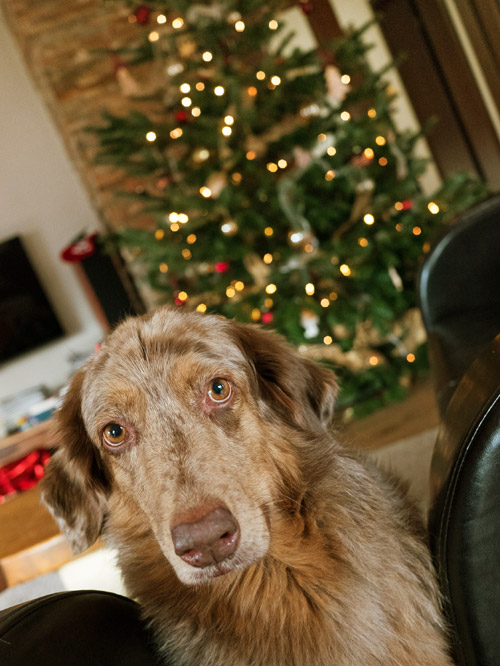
{"x": 201, "y": 449}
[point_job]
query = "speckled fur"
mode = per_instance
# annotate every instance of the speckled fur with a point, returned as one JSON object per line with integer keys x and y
{"x": 331, "y": 567}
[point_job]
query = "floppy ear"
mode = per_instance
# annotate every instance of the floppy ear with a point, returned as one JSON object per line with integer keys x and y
{"x": 294, "y": 386}
{"x": 76, "y": 485}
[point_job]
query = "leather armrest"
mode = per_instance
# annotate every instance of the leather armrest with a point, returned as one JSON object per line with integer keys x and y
{"x": 75, "y": 629}
{"x": 465, "y": 519}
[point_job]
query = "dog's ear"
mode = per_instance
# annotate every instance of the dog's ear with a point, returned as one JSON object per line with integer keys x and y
{"x": 76, "y": 485}
{"x": 294, "y": 386}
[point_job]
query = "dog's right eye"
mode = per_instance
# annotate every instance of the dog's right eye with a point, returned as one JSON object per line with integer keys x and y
{"x": 114, "y": 435}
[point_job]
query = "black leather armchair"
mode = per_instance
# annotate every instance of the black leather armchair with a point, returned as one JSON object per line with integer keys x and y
{"x": 84, "y": 628}
{"x": 460, "y": 303}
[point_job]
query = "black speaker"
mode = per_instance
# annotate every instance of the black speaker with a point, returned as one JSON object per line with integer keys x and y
{"x": 105, "y": 279}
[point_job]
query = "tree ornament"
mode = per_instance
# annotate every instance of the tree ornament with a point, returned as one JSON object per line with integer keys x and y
{"x": 267, "y": 318}
{"x": 309, "y": 321}
{"x": 306, "y": 7}
{"x": 229, "y": 228}
{"x": 142, "y": 14}
{"x": 222, "y": 266}
{"x": 337, "y": 89}
{"x": 257, "y": 269}
{"x": 181, "y": 117}
{"x": 216, "y": 183}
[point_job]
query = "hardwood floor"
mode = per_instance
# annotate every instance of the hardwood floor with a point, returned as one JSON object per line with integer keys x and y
{"x": 398, "y": 421}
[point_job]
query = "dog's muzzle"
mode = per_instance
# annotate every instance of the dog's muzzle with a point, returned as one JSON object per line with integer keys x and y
{"x": 207, "y": 540}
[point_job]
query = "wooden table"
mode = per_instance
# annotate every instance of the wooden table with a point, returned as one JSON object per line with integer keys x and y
{"x": 30, "y": 541}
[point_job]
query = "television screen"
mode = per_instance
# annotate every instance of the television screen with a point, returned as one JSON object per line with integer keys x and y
{"x": 27, "y": 319}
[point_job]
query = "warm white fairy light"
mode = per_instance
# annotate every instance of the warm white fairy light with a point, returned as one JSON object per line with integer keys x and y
{"x": 186, "y": 254}
{"x": 159, "y": 234}
{"x": 380, "y": 140}
{"x": 229, "y": 120}
{"x": 200, "y": 86}
{"x": 203, "y": 154}
{"x": 182, "y": 296}
{"x": 433, "y": 207}
{"x": 267, "y": 258}
{"x": 207, "y": 56}
{"x": 368, "y": 219}
{"x": 368, "y": 153}
{"x": 272, "y": 167}
{"x": 151, "y": 136}
{"x": 309, "y": 289}
{"x": 324, "y": 302}
{"x": 161, "y": 19}
{"x": 282, "y": 163}
{"x": 186, "y": 101}
{"x": 255, "y": 314}
{"x": 271, "y": 289}
{"x": 273, "y": 24}
{"x": 330, "y": 174}
{"x": 201, "y": 307}
{"x": 230, "y": 292}
{"x": 183, "y": 218}
{"x": 345, "y": 78}
{"x": 226, "y": 131}
{"x": 173, "y": 217}
{"x": 268, "y": 231}
{"x": 205, "y": 192}
{"x": 196, "y": 111}
{"x": 153, "y": 36}
{"x": 177, "y": 23}
{"x": 176, "y": 133}
{"x": 296, "y": 237}
{"x": 275, "y": 80}
{"x": 184, "y": 87}
{"x": 239, "y": 285}
{"x": 219, "y": 91}
{"x": 191, "y": 239}
{"x": 331, "y": 151}
{"x": 345, "y": 270}
{"x": 345, "y": 116}
{"x": 260, "y": 75}
{"x": 327, "y": 340}
{"x": 163, "y": 268}
{"x": 239, "y": 26}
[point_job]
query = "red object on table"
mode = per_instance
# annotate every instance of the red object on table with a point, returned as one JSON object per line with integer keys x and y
{"x": 23, "y": 474}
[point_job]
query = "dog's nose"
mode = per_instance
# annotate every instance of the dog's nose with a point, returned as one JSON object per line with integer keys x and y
{"x": 207, "y": 540}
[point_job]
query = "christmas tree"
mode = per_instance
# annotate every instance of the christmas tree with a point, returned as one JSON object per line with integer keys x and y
{"x": 279, "y": 189}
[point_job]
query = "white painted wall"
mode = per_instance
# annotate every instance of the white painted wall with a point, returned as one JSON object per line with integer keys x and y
{"x": 43, "y": 200}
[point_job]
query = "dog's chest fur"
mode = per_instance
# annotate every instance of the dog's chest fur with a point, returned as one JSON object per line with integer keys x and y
{"x": 343, "y": 589}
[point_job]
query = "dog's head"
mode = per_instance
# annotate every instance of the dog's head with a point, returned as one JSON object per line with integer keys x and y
{"x": 201, "y": 425}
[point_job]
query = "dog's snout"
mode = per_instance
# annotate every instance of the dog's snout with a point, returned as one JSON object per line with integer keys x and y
{"x": 208, "y": 540}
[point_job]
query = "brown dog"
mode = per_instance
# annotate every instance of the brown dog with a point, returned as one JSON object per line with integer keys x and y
{"x": 200, "y": 448}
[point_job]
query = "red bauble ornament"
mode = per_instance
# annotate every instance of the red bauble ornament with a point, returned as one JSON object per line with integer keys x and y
{"x": 222, "y": 266}
{"x": 306, "y": 7}
{"x": 407, "y": 204}
{"x": 181, "y": 116}
{"x": 267, "y": 318}
{"x": 142, "y": 14}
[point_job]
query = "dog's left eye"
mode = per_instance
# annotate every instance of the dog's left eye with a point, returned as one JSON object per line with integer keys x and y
{"x": 219, "y": 390}
{"x": 114, "y": 435}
